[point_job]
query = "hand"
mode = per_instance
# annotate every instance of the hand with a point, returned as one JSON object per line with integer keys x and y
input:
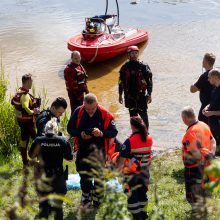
{"x": 36, "y": 111}
{"x": 149, "y": 100}
{"x": 120, "y": 99}
{"x": 84, "y": 136}
{"x": 97, "y": 133}
{"x": 207, "y": 113}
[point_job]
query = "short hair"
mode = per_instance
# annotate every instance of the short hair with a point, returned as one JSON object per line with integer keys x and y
{"x": 215, "y": 72}
{"x": 188, "y": 112}
{"x": 59, "y": 102}
{"x": 26, "y": 77}
{"x": 74, "y": 53}
{"x": 210, "y": 58}
{"x": 90, "y": 98}
{"x": 51, "y": 126}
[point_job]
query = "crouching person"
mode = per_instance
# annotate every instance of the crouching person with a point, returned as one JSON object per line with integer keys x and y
{"x": 134, "y": 159}
{"x": 50, "y": 150}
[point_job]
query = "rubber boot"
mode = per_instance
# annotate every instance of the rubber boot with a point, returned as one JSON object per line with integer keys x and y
{"x": 23, "y": 151}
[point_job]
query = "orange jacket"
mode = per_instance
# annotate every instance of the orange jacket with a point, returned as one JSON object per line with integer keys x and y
{"x": 196, "y": 145}
{"x": 141, "y": 152}
{"x": 107, "y": 118}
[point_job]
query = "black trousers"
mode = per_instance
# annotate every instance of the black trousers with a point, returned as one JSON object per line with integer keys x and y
{"x": 27, "y": 132}
{"x": 194, "y": 184}
{"x": 137, "y": 104}
{"x": 90, "y": 168}
{"x": 215, "y": 128}
{"x": 202, "y": 117}
{"x": 55, "y": 184}
{"x": 137, "y": 194}
{"x": 143, "y": 114}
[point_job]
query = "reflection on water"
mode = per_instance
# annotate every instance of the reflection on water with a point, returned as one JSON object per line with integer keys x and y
{"x": 33, "y": 37}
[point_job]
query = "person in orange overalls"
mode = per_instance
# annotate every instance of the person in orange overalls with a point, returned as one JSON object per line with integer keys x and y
{"x": 76, "y": 81}
{"x": 198, "y": 149}
{"x": 134, "y": 159}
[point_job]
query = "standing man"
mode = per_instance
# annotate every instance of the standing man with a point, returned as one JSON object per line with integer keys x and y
{"x": 203, "y": 85}
{"x": 26, "y": 106}
{"x": 135, "y": 81}
{"x": 76, "y": 81}
{"x": 56, "y": 109}
{"x": 50, "y": 150}
{"x": 212, "y": 111}
{"x": 198, "y": 149}
{"x": 94, "y": 130}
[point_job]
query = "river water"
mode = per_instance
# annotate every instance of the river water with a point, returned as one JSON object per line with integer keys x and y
{"x": 33, "y": 35}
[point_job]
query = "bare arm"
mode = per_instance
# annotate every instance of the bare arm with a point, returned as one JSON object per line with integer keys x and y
{"x": 193, "y": 89}
{"x": 213, "y": 145}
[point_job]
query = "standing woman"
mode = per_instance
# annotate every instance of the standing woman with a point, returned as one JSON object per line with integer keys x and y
{"x": 135, "y": 158}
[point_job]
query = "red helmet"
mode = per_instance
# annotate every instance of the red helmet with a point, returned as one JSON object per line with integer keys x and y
{"x": 132, "y": 48}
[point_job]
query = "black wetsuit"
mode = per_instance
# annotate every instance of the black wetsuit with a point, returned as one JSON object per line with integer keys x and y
{"x": 132, "y": 75}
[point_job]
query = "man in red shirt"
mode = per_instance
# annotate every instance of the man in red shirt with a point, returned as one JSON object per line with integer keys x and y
{"x": 76, "y": 81}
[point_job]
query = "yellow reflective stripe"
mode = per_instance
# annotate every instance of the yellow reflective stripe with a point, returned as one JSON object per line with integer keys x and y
{"x": 138, "y": 150}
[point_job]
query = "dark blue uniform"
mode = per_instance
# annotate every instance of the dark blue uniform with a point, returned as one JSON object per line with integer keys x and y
{"x": 205, "y": 91}
{"x": 42, "y": 120}
{"x": 214, "y": 121}
{"x": 91, "y": 153}
{"x": 51, "y": 150}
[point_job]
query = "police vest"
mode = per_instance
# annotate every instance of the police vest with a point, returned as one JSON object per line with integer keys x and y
{"x": 107, "y": 118}
{"x": 141, "y": 84}
{"x": 196, "y": 145}
{"x": 141, "y": 154}
{"x": 21, "y": 113}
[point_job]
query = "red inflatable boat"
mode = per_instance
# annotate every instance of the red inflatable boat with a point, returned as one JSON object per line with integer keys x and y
{"x": 96, "y": 47}
{"x": 103, "y": 38}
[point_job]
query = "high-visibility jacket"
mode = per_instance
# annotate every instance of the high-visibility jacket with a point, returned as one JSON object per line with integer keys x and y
{"x": 196, "y": 145}
{"x": 21, "y": 114}
{"x": 107, "y": 118}
{"x": 141, "y": 154}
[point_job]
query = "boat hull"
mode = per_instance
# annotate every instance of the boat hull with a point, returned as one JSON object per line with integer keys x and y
{"x": 105, "y": 46}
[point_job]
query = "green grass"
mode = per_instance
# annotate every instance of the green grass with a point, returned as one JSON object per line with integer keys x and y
{"x": 166, "y": 193}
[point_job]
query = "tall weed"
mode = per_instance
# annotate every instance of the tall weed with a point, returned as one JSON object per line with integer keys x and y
{"x": 9, "y": 131}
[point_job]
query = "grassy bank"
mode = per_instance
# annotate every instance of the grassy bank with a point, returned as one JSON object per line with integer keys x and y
{"x": 166, "y": 193}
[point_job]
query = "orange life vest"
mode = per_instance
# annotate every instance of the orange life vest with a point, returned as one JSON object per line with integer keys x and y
{"x": 21, "y": 113}
{"x": 141, "y": 152}
{"x": 107, "y": 118}
{"x": 196, "y": 145}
